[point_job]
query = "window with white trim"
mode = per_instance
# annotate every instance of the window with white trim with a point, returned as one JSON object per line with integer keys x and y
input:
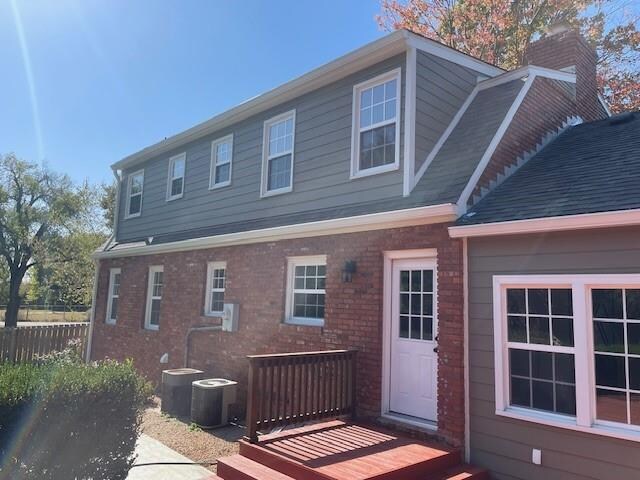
{"x": 306, "y": 290}
{"x": 277, "y": 157}
{"x": 154, "y": 297}
{"x": 175, "y": 183}
{"x": 135, "y": 185}
{"x": 376, "y": 125}
{"x": 568, "y": 351}
{"x": 221, "y": 157}
{"x": 216, "y": 284}
{"x": 114, "y": 296}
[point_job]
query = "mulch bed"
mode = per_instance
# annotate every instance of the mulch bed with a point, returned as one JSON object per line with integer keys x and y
{"x": 189, "y": 440}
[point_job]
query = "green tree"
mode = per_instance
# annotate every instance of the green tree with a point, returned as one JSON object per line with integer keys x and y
{"x": 38, "y": 208}
{"x": 107, "y": 202}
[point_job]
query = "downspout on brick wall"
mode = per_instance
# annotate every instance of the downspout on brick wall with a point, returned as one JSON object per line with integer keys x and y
{"x": 206, "y": 328}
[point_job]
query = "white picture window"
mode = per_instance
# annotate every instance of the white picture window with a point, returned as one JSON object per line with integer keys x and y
{"x": 135, "y": 186}
{"x": 376, "y": 125}
{"x": 567, "y": 351}
{"x": 306, "y": 290}
{"x": 221, "y": 158}
{"x": 175, "y": 183}
{"x": 154, "y": 297}
{"x": 277, "y": 156}
{"x": 216, "y": 284}
{"x": 114, "y": 296}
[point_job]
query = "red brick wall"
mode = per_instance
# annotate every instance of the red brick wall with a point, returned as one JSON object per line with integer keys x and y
{"x": 571, "y": 49}
{"x": 256, "y": 280}
{"x": 545, "y": 108}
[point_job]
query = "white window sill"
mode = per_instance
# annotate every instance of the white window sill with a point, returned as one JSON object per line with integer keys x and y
{"x": 279, "y": 191}
{"x": 375, "y": 171}
{"x": 110, "y": 322}
{"x": 305, "y": 322}
{"x": 152, "y": 328}
{"x": 569, "y": 423}
{"x": 175, "y": 197}
{"x": 220, "y": 185}
{"x": 135, "y": 215}
{"x": 213, "y": 314}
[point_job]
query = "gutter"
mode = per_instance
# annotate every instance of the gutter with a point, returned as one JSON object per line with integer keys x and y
{"x": 373, "y": 221}
{"x": 92, "y": 316}
{"x": 618, "y": 218}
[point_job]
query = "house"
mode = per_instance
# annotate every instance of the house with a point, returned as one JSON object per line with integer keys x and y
{"x": 554, "y": 309}
{"x": 321, "y": 210}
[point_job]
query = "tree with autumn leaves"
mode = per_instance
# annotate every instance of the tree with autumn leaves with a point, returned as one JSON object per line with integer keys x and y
{"x": 499, "y": 31}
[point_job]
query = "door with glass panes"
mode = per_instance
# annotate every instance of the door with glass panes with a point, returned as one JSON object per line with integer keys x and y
{"x": 414, "y": 327}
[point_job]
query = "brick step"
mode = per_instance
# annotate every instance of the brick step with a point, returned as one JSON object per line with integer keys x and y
{"x": 237, "y": 467}
{"x": 461, "y": 472}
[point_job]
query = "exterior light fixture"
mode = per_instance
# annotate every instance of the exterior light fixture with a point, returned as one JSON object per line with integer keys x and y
{"x": 348, "y": 270}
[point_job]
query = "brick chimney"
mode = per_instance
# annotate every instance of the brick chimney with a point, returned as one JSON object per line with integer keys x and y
{"x": 565, "y": 49}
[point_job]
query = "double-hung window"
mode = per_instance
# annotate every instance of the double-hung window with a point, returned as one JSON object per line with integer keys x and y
{"x": 277, "y": 154}
{"x": 306, "y": 290}
{"x": 568, "y": 351}
{"x": 375, "y": 146}
{"x": 154, "y": 297}
{"x": 114, "y": 296}
{"x": 175, "y": 183}
{"x": 135, "y": 185}
{"x": 216, "y": 284}
{"x": 221, "y": 157}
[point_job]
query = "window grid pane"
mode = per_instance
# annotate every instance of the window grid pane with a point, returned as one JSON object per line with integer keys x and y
{"x": 309, "y": 291}
{"x": 416, "y": 305}
{"x": 279, "y": 172}
{"x": 218, "y": 281}
{"x": 616, "y": 354}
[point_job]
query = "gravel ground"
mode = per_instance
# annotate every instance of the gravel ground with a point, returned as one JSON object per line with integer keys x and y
{"x": 192, "y": 442}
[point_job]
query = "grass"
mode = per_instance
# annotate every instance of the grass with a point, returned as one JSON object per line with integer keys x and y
{"x": 31, "y": 315}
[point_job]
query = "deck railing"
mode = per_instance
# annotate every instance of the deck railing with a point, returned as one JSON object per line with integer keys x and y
{"x": 292, "y": 388}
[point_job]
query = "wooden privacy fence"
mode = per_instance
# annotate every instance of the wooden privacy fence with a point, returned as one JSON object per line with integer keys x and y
{"x": 25, "y": 344}
{"x": 292, "y": 388}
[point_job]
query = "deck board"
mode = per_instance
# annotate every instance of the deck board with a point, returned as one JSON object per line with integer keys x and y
{"x": 343, "y": 450}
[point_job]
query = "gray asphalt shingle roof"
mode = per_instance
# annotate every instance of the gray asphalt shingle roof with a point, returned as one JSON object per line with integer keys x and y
{"x": 592, "y": 167}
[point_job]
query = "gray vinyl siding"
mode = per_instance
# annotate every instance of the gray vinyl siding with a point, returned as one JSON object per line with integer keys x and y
{"x": 322, "y": 160}
{"x": 441, "y": 89}
{"x": 504, "y": 445}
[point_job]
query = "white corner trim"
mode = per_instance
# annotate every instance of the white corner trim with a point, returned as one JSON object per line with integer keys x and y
{"x": 465, "y": 343}
{"x": 549, "y": 224}
{"x": 444, "y": 137}
{"x": 603, "y": 102}
{"x": 409, "y": 163}
{"x": 451, "y": 54}
{"x": 495, "y": 141}
{"x": 373, "y": 221}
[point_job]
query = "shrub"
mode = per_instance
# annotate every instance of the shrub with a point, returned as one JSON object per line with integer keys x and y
{"x": 62, "y": 419}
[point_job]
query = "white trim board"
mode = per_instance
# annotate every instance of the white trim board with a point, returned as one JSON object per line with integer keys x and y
{"x": 361, "y": 223}
{"x": 409, "y": 155}
{"x": 549, "y": 224}
{"x": 527, "y": 73}
{"x": 363, "y": 57}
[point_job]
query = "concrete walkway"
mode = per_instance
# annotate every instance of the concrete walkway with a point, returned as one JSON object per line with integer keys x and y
{"x": 150, "y": 450}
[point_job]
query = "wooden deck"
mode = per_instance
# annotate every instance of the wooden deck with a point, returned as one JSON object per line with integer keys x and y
{"x": 341, "y": 450}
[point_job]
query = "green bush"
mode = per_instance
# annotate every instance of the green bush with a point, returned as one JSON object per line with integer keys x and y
{"x": 62, "y": 419}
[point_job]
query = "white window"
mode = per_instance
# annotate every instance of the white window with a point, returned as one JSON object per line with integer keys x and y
{"x": 306, "y": 290}
{"x": 375, "y": 145}
{"x": 567, "y": 351}
{"x": 135, "y": 186}
{"x": 216, "y": 283}
{"x": 277, "y": 154}
{"x": 175, "y": 183}
{"x": 154, "y": 298}
{"x": 114, "y": 296}
{"x": 221, "y": 157}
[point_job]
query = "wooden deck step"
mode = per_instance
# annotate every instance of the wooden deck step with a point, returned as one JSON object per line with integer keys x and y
{"x": 237, "y": 467}
{"x": 462, "y": 472}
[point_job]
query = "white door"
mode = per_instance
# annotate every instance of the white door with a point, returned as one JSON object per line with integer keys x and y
{"x": 414, "y": 357}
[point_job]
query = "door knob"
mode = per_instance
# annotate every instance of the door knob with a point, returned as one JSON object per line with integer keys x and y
{"x": 435, "y": 349}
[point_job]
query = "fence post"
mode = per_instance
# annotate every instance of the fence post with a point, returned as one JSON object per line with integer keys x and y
{"x": 252, "y": 403}
{"x": 13, "y": 342}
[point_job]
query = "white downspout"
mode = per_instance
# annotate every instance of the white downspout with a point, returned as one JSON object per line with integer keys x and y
{"x": 92, "y": 316}
{"x": 465, "y": 316}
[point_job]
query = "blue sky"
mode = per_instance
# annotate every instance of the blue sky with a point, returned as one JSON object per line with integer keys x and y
{"x": 106, "y": 78}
